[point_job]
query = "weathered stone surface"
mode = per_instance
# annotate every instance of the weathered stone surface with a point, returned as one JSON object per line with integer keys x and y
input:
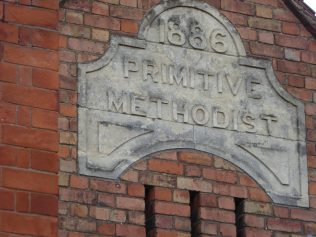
{"x": 187, "y": 83}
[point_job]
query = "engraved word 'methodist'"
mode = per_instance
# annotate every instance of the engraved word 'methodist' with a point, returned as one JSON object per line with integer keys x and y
{"x": 189, "y": 78}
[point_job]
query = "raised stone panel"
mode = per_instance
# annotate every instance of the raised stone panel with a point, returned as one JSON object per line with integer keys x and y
{"x": 186, "y": 82}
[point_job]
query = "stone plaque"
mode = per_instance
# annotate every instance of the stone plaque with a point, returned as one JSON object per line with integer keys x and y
{"x": 186, "y": 82}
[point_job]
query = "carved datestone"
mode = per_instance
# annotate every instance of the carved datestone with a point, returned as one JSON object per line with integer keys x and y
{"x": 186, "y": 82}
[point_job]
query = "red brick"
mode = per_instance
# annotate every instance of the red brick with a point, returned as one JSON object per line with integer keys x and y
{"x": 246, "y": 33}
{"x": 195, "y": 158}
{"x": 46, "y": 161}
{"x": 281, "y": 212}
{"x": 9, "y": 33}
{"x": 310, "y": 228}
{"x": 247, "y": 181}
{"x": 130, "y": 3}
{"x": 294, "y": 67}
{"x": 24, "y": 116}
{"x": 238, "y": 191}
{"x": 129, "y": 26}
{"x": 227, "y": 230}
{"x": 168, "y": 233}
{"x": 8, "y": 156}
{"x": 130, "y": 203}
{"x": 32, "y": 138}
{"x": 163, "y": 221}
{"x": 131, "y": 175}
{"x": 130, "y": 230}
{"x": 160, "y": 193}
{"x": 305, "y": 215}
{"x": 309, "y": 57}
{"x": 165, "y": 166}
{"x": 80, "y": 182}
{"x": 204, "y": 227}
{"x": 104, "y": 22}
{"x": 85, "y": 45}
{"x": 100, "y": 8}
{"x": 253, "y": 221}
{"x": 311, "y": 161}
{"x": 25, "y": 76}
{"x": 237, "y": 19}
{"x": 8, "y": 72}
{"x": 45, "y": 39}
{"x": 312, "y": 46}
{"x": 23, "y": 158}
{"x": 106, "y": 199}
{"x": 108, "y": 186}
{"x": 240, "y": 7}
{"x": 22, "y": 202}
{"x": 265, "y": 24}
{"x": 266, "y": 37}
{"x": 25, "y": 36}
{"x": 301, "y": 93}
{"x": 182, "y": 224}
{"x": 266, "y": 50}
{"x": 46, "y": 4}
{"x": 284, "y": 15}
{"x": 1, "y": 11}
{"x": 45, "y": 79}
{"x": 290, "y": 28}
{"x": 311, "y": 135}
{"x": 193, "y": 171}
{"x": 136, "y": 217}
{"x": 8, "y": 113}
{"x": 256, "y": 194}
{"x": 25, "y": 180}
{"x": 220, "y": 175}
{"x": 6, "y": 200}
{"x": 312, "y": 188}
{"x": 44, "y": 204}
{"x": 296, "y": 81}
{"x": 31, "y": 16}
{"x": 205, "y": 200}
{"x": 136, "y": 190}
{"x": 226, "y": 203}
{"x": 181, "y": 196}
{"x": 169, "y": 208}
{"x": 272, "y": 3}
{"x": 253, "y": 232}
{"x": 291, "y": 41}
{"x": 217, "y": 215}
{"x": 28, "y": 225}
{"x": 31, "y": 57}
{"x": 30, "y": 97}
{"x": 284, "y": 225}
{"x": 126, "y": 13}
{"x": 81, "y": 5}
{"x": 106, "y": 229}
{"x": 44, "y": 119}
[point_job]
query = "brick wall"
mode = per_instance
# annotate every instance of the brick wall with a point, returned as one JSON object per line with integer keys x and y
{"x": 29, "y": 61}
{"x": 39, "y": 130}
{"x": 107, "y": 208}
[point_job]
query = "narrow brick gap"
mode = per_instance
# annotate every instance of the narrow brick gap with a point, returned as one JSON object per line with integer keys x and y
{"x": 148, "y": 210}
{"x": 239, "y": 215}
{"x": 194, "y": 213}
